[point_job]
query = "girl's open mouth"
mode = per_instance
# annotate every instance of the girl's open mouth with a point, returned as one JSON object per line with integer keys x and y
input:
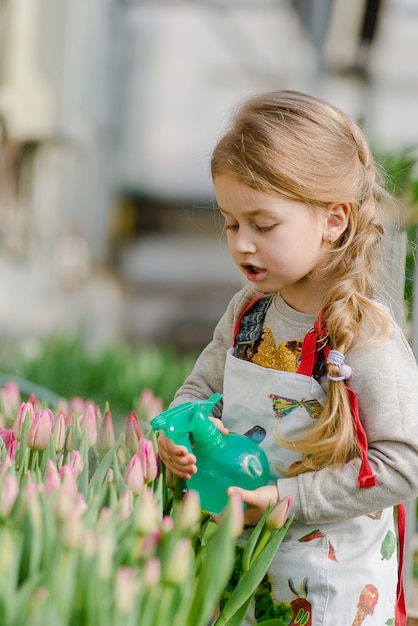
{"x": 253, "y": 272}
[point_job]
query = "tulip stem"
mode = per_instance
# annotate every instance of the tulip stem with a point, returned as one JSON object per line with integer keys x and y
{"x": 261, "y": 544}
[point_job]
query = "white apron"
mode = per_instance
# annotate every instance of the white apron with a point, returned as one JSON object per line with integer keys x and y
{"x": 335, "y": 574}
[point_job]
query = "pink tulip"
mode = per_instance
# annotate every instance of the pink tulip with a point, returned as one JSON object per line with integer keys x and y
{"x": 77, "y": 405}
{"x": 125, "y": 503}
{"x": 68, "y": 482}
{"x": 189, "y": 511}
{"x": 59, "y": 431}
{"x": 76, "y": 463}
{"x": 104, "y": 521}
{"x": 127, "y": 587}
{"x": 133, "y": 432}
{"x": 149, "y": 405}
{"x": 105, "y": 434}
{"x": 35, "y": 401}
{"x": 146, "y": 514}
{"x": 52, "y": 479}
{"x": 148, "y": 460}
{"x": 10, "y": 397}
{"x": 167, "y": 523}
{"x": 73, "y": 525}
{"x": 62, "y": 406}
{"x": 25, "y": 411}
{"x": 149, "y": 543}
{"x": 5, "y": 465}
{"x": 88, "y": 424}
{"x": 66, "y": 496}
{"x": 40, "y": 431}
{"x": 9, "y": 441}
{"x": 134, "y": 476}
{"x": 179, "y": 562}
{"x": 279, "y": 514}
{"x": 152, "y": 572}
{"x": 8, "y": 494}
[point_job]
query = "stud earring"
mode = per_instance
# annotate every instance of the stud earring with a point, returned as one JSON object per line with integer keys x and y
{"x": 329, "y": 237}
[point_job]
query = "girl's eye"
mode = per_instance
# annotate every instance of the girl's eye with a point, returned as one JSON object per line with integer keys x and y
{"x": 265, "y": 229}
{"x": 231, "y": 226}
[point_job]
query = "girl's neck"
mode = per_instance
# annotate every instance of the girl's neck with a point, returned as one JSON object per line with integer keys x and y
{"x": 308, "y": 301}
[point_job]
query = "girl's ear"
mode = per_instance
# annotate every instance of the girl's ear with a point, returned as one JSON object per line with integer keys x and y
{"x": 337, "y": 216}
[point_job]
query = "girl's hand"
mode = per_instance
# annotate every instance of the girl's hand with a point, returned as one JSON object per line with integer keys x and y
{"x": 177, "y": 459}
{"x": 257, "y": 500}
{"x": 219, "y": 425}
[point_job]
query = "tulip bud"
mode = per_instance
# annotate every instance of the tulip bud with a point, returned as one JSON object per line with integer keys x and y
{"x": 76, "y": 463}
{"x": 167, "y": 523}
{"x": 133, "y": 432}
{"x": 8, "y": 494}
{"x": 77, "y": 405}
{"x": 149, "y": 405}
{"x": 68, "y": 491}
{"x": 10, "y": 441}
{"x": 25, "y": 411}
{"x": 151, "y": 572}
{"x": 127, "y": 587}
{"x": 178, "y": 566}
{"x": 40, "y": 431}
{"x": 52, "y": 479}
{"x": 189, "y": 512}
{"x": 134, "y": 476}
{"x": 35, "y": 401}
{"x": 105, "y": 434}
{"x": 5, "y": 465}
{"x": 146, "y": 514}
{"x": 59, "y": 430}
{"x": 148, "y": 459}
{"x": 10, "y": 398}
{"x": 88, "y": 424}
{"x": 73, "y": 531}
{"x": 125, "y": 503}
{"x": 279, "y": 514}
{"x": 104, "y": 520}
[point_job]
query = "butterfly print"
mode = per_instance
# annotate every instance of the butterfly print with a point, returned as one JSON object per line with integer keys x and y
{"x": 283, "y": 406}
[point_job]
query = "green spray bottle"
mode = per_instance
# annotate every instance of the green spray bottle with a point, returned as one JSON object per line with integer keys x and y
{"x": 221, "y": 460}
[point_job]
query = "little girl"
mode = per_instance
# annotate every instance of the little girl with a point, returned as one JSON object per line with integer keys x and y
{"x": 307, "y": 355}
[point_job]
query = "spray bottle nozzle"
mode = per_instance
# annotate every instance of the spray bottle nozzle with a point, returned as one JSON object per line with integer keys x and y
{"x": 180, "y": 421}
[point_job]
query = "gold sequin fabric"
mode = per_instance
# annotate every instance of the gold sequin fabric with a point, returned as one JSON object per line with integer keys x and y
{"x": 285, "y": 357}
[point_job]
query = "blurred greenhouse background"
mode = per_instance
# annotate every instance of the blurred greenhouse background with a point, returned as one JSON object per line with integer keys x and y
{"x": 109, "y": 110}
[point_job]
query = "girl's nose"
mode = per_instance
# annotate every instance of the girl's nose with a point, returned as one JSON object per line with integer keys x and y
{"x": 243, "y": 242}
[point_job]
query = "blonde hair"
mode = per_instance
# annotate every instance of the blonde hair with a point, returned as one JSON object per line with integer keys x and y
{"x": 302, "y": 148}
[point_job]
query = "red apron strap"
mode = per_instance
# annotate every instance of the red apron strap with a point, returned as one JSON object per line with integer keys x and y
{"x": 400, "y": 609}
{"x": 314, "y": 341}
{"x": 366, "y": 478}
{"x": 309, "y": 354}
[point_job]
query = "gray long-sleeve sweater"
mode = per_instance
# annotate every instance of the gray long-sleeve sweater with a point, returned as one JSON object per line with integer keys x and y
{"x": 385, "y": 378}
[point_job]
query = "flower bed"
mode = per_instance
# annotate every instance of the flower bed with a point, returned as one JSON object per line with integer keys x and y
{"x": 91, "y": 535}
